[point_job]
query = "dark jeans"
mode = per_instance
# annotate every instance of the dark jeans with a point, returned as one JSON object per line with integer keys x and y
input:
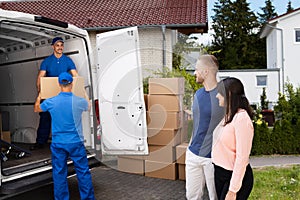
{"x": 44, "y": 128}
{"x": 222, "y": 181}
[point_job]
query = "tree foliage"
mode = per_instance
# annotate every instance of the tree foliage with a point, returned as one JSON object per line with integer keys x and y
{"x": 236, "y": 36}
{"x": 289, "y": 7}
{"x": 268, "y": 12}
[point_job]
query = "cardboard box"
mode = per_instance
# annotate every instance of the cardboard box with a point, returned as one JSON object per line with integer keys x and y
{"x": 5, "y": 135}
{"x": 160, "y": 170}
{"x": 172, "y": 86}
{"x": 180, "y": 153}
{"x": 184, "y": 129}
{"x": 163, "y": 103}
{"x": 129, "y": 165}
{"x": 161, "y": 153}
{"x": 170, "y": 137}
{"x": 50, "y": 87}
{"x": 164, "y": 120}
{"x": 181, "y": 172}
{"x": 5, "y": 120}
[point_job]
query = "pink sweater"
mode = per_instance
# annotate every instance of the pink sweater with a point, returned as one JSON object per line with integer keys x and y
{"x": 232, "y": 146}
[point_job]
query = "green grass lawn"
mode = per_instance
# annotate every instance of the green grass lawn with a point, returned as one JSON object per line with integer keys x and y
{"x": 276, "y": 183}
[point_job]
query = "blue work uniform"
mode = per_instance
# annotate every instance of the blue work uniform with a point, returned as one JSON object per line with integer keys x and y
{"x": 67, "y": 141}
{"x": 206, "y": 116}
{"x": 53, "y": 67}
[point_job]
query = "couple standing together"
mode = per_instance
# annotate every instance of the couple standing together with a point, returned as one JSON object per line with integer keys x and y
{"x": 218, "y": 153}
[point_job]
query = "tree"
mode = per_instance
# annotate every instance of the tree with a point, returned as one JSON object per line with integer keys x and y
{"x": 236, "y": 35}
{"x": 268, "y": 12}
{"x": 263, "y": 100}
{"x": 289, "y": 7}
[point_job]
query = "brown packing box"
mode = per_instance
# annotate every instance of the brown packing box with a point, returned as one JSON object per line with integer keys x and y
{"x": 50, "y": 87}
{"x": 184, "y": 129}
{"x": 180, "y": 152}
{"x": 166, "y": 85}
{"x": 181, "y": 172}
{"x": 161, "y": 153}
{"x": 135, "y": 157}
{"x": 163, "y": 103}
{"x": 161, "y": 120}
{"x": 130, "y": 165}
{"x": 5, "y": 135}
{"x": 160, "y": 170}
{"x": 170, "y": 137}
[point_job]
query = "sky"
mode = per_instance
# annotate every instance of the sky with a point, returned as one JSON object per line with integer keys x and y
{"x": 255, "y": 5}
{"x": 280, "y": 5}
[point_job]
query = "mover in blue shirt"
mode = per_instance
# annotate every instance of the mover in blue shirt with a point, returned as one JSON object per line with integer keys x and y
{"x": 67, "y": 138}
{"x": 51, "y": 66}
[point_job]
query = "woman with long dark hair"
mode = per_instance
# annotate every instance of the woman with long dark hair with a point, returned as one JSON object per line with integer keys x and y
{"x": 232, "y": 143}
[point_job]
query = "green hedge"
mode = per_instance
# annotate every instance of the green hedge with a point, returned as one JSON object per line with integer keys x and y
{"x": 284, "y": 136}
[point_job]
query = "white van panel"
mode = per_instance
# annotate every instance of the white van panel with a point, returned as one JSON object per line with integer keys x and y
{"x": 122, "y": 108}
{"x": 21, "y": 117}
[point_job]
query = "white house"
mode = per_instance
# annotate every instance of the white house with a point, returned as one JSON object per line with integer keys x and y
{"x": 254, "y": 80}
{"x": 283, "y": 46}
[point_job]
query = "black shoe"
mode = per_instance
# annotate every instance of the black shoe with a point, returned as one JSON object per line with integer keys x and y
{"x": 37, "y": 146}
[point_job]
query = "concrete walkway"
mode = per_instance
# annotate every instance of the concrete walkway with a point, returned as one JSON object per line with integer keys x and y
{"x": 110, "y": 183}
{"x": 274, "y": 160}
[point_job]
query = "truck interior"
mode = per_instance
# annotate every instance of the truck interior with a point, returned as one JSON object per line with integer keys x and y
{"x": 23, "y": 46}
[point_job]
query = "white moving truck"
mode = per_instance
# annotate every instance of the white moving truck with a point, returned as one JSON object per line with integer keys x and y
{"x": 113, "y": 83}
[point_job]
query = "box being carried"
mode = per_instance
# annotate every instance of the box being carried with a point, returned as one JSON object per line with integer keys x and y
{"x": 50, "y": 87}
{"x": 174, "y": 86}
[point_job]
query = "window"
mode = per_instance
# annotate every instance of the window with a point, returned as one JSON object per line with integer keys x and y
{"x": 297, "y": 34}
{"x": 261, "y": 80}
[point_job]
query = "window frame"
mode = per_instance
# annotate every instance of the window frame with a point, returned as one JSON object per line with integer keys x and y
{"x": 258, "y": 84}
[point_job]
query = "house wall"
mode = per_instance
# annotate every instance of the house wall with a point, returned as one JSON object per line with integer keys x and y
{"x": 151, "y": 46}
{"x": 274, "y": 50}
{"x": 252, "y": 91}
{"x": 291, "y": 49}
{"x": 276, "y": 43}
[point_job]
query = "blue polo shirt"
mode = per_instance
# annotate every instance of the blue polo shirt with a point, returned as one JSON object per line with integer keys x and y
{"x": 54, "y": 66}
{"x": 66, "y": 111}
{"x": 206, "y": 116}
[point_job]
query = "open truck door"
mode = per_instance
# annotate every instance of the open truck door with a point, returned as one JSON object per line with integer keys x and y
{"x": 120, "y": 92}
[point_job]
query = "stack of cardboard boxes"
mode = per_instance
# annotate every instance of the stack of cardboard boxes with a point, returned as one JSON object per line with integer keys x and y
{"x": 165, "y": 120}
{"x": 167, "y": 128}
{"x": 180, "y": 159}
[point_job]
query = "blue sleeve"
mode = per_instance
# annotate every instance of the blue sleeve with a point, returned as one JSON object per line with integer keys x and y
{"x": 85, "y": 104}
{"x": 46, "y": 105}
{"x": 44, "y": 65}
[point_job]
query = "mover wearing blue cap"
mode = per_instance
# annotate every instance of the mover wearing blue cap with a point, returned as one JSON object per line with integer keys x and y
{"x": 67, "y": 138}
{"x": 51, "y": 66}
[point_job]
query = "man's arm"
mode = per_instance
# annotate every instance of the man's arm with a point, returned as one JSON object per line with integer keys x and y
{"x": 37, "y": 107}
{"x": 42, "y": 73}
{"x": 74, "y": 72}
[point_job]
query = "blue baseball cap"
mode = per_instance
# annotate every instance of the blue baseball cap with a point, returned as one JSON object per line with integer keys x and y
{"x": 57, "y": 39}
{"x": 65, "y": 78}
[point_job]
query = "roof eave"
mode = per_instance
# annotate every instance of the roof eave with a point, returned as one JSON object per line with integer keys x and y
{"x": 184, "y": 28}
{"x": 267, "y": 29}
